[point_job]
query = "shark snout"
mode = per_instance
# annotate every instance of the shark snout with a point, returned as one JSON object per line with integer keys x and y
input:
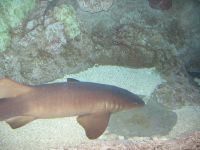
{"x": 137, "y": 101}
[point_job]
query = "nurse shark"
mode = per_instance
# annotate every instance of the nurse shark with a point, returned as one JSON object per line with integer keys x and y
{"x": 92, "y": 103}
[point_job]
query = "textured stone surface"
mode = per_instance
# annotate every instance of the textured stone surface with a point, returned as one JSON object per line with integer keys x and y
{"x": 12, "y": 14}
{"x": 191, "y": 142}
{"x": 151, "y": 120}
{"x": 177, "y": 92}
{"x": 161, "y": 4}
{"x": 95, "y": 5}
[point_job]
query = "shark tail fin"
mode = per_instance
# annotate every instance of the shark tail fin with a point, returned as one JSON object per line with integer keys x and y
{"x": 10, "y": 88}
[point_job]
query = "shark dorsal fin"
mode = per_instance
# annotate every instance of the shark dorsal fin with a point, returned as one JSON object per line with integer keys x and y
{"x": 10, "y": 88}
{"x": 72, "y": 80}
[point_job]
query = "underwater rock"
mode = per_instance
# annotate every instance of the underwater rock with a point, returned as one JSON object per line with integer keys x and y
{"x": 42, "y": 58}
{"x": 160, "y": 4}
{"x": 54, "y": 34}
{"x": 66, "y": 15}
{"x": 12, "y": 14}
{"x": 194, "y": 73}
{"x": 151, "y": 120}
{"x": 193, "y": 65}
{"x": 187, "y": 141}
{"x": 177, "y": 92}
{"x": 94, "y": 6}
{"x": 129, "y": 35}
{"x": 133, "y": 45}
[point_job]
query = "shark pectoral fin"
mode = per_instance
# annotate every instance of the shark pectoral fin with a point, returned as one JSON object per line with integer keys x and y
{"x": 94, "y": 124}
{"x": 19, "y": 121}
{"x": 10, "y": 88}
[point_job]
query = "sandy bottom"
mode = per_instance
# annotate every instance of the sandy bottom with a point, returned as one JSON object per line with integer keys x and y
{"x": 152, "y": 121}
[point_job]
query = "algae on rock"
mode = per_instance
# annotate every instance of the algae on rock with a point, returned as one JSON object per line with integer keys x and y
{"x": 66, "y": 15}
{"x": 12, "y": 12}
{"x": 4, "y": 35}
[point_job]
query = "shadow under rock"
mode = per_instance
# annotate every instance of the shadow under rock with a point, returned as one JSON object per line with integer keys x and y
{"x": 152, "y": 119}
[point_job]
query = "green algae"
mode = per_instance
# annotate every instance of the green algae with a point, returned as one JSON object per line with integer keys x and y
{"x": 12, "y": 12}
{"x": 66, "y": 15}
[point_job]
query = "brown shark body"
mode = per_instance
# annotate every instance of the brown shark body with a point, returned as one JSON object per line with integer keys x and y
{"x": 91, "y": 102}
